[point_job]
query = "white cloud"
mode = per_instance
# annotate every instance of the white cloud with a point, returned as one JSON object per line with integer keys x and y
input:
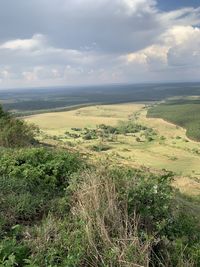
{"x": 133, "y": 6}
{"x": 177, "y": 47}
{"x": 24, "y": 44}
{"x": 186, "y": 51}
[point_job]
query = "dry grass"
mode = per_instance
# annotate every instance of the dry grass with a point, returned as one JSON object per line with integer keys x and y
{"x": 112, "y": 236}
{"x": 56, "y": 123}
{"x": 188, "y": 185}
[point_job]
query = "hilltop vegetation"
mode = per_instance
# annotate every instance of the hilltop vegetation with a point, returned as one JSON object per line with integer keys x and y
{"x": 185, "y": 113}
{"x": 58, "y": 210}
{"x": 14, "y": 132}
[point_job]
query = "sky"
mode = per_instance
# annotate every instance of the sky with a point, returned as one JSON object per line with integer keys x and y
{"x": 85, "y": 42}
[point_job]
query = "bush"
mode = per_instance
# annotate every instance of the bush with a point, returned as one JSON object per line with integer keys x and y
{"x": 107, "y": 129}
{"x": 57, "y": 242}
{"x": 100, "y": 147}
{"x": 132, "y": 217}
{"x": 12, "y": 251}
{"x": 30, "y": 179}
{"x": 55, "y": 213}
{"x": 130, "y": 127}
{"x": 111, "y": 236}
{"x": 88, "y": 136}
{"x": 124, "y": 127}
{"x": 15, "y": 132}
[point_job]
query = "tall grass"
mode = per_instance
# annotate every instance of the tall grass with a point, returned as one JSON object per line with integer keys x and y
{"x": 111, "y": 234}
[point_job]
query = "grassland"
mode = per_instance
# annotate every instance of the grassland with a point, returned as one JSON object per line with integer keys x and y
{"x": 170, "y": 149}
{"x": 182, "y": 112}
{"x": 58, "y": 123}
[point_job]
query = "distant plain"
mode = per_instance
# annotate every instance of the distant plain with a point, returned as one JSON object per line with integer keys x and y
{"x": 170, "y": 150}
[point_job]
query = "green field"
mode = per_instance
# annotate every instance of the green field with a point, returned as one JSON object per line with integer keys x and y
{"x": 169, "y": 148}
{"x": 183, "y": 112}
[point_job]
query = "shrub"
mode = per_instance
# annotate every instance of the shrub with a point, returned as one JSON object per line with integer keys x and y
{"x": 131, "y": 217}
{"x": 138, "y": 139}
{"x": 54, "y": 215}
{"x": 124, "y": 127}
{"x": 76, "y": 129}
{"x": 90, "y": 134}
{"x": 30, "y": 179}
{"x": 150, "y": 139}
{"x": 87, "y": 136}
{"x": 107, "y": 129}
{"x": 57, "y": 242}
{"x": 111, "y": 236}
{"x": 162, "y": 138}
{"x": 130, "y": 127}
{"x": 100, "y": 147}
{"x": 15, "y": 132}
{"x": 12, "y": 251}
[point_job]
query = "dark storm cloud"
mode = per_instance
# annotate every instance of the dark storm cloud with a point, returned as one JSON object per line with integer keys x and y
{"x": 113, "y": 26}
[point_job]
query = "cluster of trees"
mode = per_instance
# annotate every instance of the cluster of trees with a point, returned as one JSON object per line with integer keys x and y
{"x": 123, "y": 127}
{"x": 57, "y": 210}
{"x": 108, "y": 131}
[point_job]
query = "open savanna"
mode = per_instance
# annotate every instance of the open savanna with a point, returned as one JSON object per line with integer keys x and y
{"x": 170, "y": 149}
{"x": 56, "y": 123}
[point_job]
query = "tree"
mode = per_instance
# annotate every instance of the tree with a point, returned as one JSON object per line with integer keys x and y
{"x": 15, "y": 132}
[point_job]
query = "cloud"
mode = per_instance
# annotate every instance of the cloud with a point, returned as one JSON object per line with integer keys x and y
{"x": 180, "y": 45}
{"x": 27, "y": 44}
{"x": 186, "y": 51}
{"x": 79, "y": 24}
{"x": 65, "y": 42}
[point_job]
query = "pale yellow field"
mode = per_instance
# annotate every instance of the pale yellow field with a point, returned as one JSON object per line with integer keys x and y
{"x": 173, "y": 154}
{"x": 58, "y": 122}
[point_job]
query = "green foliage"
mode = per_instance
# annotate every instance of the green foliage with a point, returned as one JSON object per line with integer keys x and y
{"x": 100, "y": 147}
{"x": 90, "y": 134}
{"x": 126, "y": 127}
{"x": 56, "y": 242}
{"x": 15, "y": 132}
{"x": 30, "y": 179}
{"x": 123, "y": 127}
{"x": 76, "y": 129}
{"x": 144, "y": 197}
{"x": 54, "y": 216}
{"x": 108, "y": 129}
{"x": 185, "y": 113}
{"x": 185, "y": 232}
{"x": 166, "y": 217}
{"x": 12, "y": 252}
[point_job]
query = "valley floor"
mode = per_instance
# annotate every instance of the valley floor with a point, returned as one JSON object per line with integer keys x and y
{"x": 170, "y": 149}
